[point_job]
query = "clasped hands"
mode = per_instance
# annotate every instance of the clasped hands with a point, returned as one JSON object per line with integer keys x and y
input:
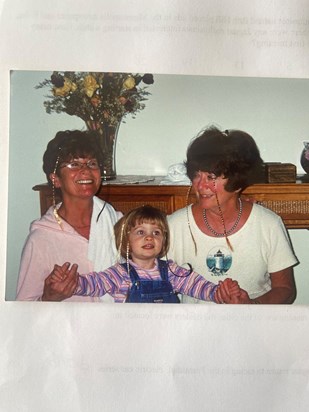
{"x": 228, "y": 291}
{"x": 61, "y": 283}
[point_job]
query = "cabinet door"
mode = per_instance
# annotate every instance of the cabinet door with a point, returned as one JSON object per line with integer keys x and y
{"x": 125, "y": 203}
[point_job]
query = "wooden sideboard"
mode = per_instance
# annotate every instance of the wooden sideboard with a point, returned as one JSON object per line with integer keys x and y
{"x": 289, "y": 200}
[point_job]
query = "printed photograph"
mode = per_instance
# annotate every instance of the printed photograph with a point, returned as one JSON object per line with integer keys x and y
{"x": 153, "y": 188}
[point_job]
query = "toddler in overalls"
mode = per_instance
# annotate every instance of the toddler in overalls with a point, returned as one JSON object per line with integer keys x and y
{"x": 142, "y": 239}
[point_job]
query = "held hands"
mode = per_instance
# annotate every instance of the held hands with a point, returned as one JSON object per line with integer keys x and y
{"x": 61, "y": 283}
{"x": 229, "y": 292}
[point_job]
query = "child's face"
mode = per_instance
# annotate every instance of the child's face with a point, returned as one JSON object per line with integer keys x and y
{"x": 146, "y": 241}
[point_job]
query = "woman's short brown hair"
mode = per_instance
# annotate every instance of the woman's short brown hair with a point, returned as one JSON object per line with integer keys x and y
{"x": 232, "y": 154}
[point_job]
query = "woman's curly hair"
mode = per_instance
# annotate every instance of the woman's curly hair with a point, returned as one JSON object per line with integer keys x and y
{"x": 70, "y": 144}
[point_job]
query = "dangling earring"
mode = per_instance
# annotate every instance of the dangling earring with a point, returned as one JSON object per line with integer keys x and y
{"x": 128, "y": 269}
{"x": 57, "y": 217}
{"x": 120, "y": 243}
{"x": 188, "y": 221}
{"x": 127, "y": 257}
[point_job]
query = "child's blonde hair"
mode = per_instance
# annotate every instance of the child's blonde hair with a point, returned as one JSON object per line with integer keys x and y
{"x": 142, "y": 214}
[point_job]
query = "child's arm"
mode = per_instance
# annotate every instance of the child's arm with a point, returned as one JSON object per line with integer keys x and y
{"x": 191, "y": 284}
{"x": 96, "y": 284}
{"x": 195, "y": 285}
{"x": 93, "y": 284}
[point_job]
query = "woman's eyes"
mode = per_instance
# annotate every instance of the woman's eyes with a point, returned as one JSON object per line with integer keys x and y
{"x": 209, "y": 176}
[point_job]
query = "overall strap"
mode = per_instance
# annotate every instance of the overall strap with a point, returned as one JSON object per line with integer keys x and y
{"x": 163, "y": 267}
{"x": 133, "y": 274}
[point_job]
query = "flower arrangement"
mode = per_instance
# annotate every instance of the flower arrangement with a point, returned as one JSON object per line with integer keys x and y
{"x": 97, "y": 97}
{"x": 102, "y": 100}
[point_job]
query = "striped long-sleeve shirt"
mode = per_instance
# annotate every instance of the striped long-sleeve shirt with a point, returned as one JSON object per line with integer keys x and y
{"x": 116, "y": 282}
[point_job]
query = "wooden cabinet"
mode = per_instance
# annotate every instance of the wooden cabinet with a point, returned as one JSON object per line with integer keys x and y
{"x": 289, "y": 200}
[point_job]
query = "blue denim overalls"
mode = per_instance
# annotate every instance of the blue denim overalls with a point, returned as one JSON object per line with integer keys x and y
{"x": 151, "y": 291}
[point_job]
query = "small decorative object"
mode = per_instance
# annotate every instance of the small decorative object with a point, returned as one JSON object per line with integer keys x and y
{"x": 102, "y": 100}
{"x": 277, "y": 172}
{"x": 304, "y": 158}
{"x": 176, "y": 175}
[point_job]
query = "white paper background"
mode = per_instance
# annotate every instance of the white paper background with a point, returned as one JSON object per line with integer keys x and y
{"x": 89, "y": 357}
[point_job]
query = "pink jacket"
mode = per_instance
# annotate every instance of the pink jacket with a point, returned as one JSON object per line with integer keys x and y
{"x": 47, "y": 244}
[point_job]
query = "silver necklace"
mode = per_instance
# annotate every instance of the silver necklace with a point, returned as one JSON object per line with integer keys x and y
{"x": 225, "y": 233}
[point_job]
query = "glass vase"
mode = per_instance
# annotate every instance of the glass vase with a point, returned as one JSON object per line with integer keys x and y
{"x": 107, "y": 135}
{"x": 304, "y": 158}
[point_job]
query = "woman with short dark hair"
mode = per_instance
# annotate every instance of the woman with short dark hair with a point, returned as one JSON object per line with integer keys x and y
{"x": 222, "y": 235}
{"x": 79, "y": 229}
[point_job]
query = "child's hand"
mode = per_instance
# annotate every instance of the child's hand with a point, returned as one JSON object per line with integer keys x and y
{"x": 232, "y": 286}
{"x": 229, "y": 292}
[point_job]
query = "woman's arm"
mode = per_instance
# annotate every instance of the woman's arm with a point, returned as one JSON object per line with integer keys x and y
{"x": 33, "y": 271}
{"x": 283, "y": 289}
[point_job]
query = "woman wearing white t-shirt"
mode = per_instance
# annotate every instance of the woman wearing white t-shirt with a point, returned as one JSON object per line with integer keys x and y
{"x": 221, "y": 235}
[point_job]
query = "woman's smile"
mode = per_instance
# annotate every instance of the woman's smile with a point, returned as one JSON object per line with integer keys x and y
{"x": 85, "y": 181}
{"x": 205, "y": 196}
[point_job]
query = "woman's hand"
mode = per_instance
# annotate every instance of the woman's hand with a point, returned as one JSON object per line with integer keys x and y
{"x": 242, "y": 298}
{"x": 61, "y": 283}
{"x": 229, "y": 292}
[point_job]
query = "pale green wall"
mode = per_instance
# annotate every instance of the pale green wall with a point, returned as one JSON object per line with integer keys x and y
{"x": 274, "y": 111}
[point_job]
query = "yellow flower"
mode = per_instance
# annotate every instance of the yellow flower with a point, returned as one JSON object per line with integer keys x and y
{"x": 90, "y": 85}
{"x": 65, "y": 89}
{"x": 129, "y": 83}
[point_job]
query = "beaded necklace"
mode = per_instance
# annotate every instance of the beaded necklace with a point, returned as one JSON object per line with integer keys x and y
{"x": 225, "y": 232}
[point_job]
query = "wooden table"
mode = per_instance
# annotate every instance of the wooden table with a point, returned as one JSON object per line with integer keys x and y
{"x": 289, "y": 200}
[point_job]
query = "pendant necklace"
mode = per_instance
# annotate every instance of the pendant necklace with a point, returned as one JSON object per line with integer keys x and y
{"x": 226, "y": 232}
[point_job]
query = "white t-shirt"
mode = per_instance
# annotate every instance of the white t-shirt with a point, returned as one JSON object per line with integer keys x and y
{"x": 261, "y": 247}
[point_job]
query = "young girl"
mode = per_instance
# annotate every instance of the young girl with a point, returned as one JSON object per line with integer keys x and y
{"x": 142, "y": 238}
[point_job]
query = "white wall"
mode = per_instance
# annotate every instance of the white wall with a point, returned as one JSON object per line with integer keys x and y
{"x": 274, "y": 111}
